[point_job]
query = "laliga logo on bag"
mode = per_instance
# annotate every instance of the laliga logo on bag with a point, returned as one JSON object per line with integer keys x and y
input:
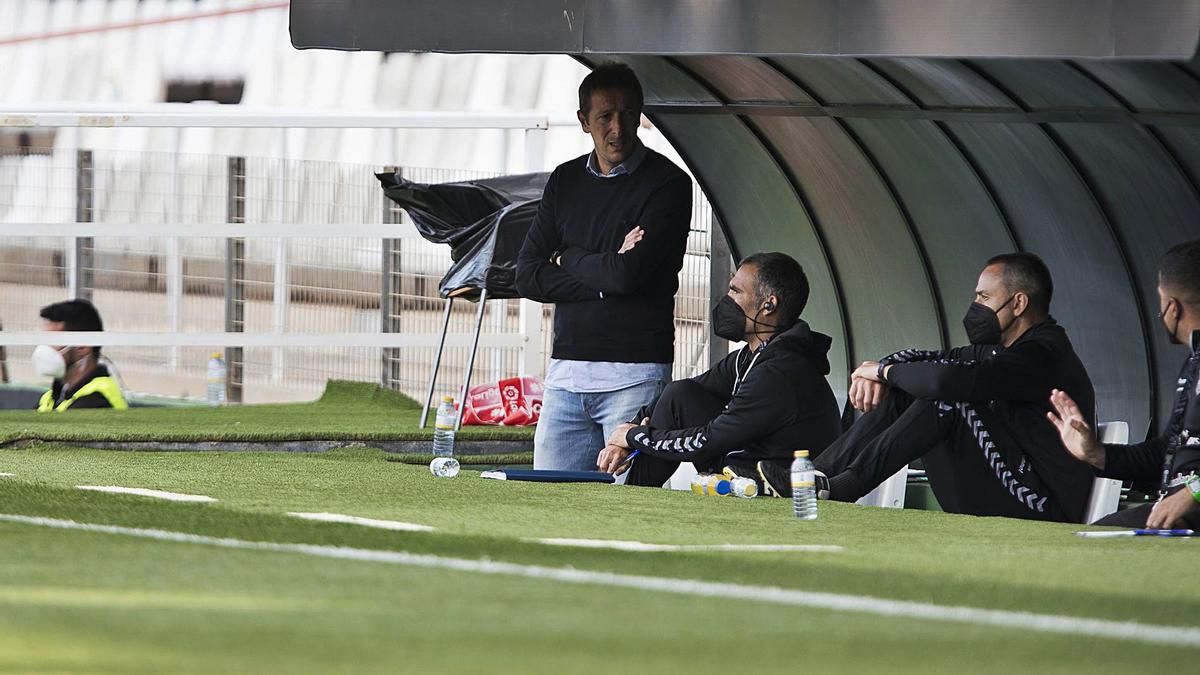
{"x": 513, "y": 401}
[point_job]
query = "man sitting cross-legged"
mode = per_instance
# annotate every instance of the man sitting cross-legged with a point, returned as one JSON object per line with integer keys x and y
{"x": 975, "y": 414}
{"x": 760, "y": 403}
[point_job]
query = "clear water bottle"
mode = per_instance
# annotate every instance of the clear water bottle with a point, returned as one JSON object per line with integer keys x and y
{"x": 743, "y": 487}
{"x": 710, "y": 484}
{"x": 444, "y": 465}
{"x": 804, "y": 486}
{"x": 216, "y": 374}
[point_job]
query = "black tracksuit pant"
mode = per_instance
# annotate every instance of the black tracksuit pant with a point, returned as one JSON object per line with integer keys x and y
{"x": 969, "y": 471}
{"x": 683, "y": 404}
{"x": 1137, "y": 516}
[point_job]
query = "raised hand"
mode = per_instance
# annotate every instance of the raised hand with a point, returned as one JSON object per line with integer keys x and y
{"x": 1077, "y": 435}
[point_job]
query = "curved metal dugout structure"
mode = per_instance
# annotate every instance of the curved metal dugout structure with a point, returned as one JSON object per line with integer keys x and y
{"x": 892, "y": 147}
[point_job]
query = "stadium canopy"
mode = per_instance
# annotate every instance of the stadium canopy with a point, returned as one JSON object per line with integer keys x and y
{"x": 892, "y": 146}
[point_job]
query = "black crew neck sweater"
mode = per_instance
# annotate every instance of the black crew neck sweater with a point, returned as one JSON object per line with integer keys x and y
{"x": 609, "y": 306}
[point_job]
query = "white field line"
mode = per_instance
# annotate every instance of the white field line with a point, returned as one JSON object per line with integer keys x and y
{"x": 144, "y": 492}
{"x": 6, "y": 475}
{"x": 620, "y": 545}
{"x": 1045, "y": 623}
{"x": 368, "y": 522}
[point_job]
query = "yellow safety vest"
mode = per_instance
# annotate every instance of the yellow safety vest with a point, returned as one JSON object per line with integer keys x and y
{"x": 105, "y": 386}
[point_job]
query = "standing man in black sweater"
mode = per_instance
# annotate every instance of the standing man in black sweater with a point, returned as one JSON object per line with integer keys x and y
{"x": 606, "y": 247}
{"x": 975, "y": 414}
{"x": 1171, "y": 459}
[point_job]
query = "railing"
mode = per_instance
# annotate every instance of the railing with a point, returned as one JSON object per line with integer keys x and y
{"x": 406, "y": 288}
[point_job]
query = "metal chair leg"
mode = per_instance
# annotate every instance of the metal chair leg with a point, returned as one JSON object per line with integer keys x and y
{"x": 437, "y": 363}
{"x": 462, "y": 399}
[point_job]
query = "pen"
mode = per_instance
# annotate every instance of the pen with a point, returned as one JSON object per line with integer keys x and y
{"x": 628, "y": 459}
{"x": 1107, "y": 534}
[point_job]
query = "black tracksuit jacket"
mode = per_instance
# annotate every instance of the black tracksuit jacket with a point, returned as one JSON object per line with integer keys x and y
{"x": 782, "y": 404}
{"x": 1143, "y": 462}
{"x": 1010, "y": 389}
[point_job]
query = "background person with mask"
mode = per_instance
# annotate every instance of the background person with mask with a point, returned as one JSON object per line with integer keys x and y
{"x": 606, "y": 248}
{"x": 976, "y": 415}
{"x": 1171, "y": 459}
{"x": 760, "y": 403}
{"x": 80, "y": 381}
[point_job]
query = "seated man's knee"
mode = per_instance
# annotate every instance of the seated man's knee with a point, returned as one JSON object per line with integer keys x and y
{"x": 683, "y": 389}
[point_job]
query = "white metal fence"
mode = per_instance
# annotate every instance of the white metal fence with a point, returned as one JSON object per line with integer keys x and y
{"x": 145, "y": 234}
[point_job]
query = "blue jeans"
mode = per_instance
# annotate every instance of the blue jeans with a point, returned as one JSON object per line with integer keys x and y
{"x": 573, "y": 427}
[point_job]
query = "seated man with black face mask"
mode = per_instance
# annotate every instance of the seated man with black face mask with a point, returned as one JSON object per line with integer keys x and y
{"x": 976, "y": 414}
{"x": 1172, "y": 459}
{"x": 79, "y": 379}
{"x": 762, "y": 402}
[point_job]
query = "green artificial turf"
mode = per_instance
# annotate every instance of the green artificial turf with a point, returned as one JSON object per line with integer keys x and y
{"x": 120, "y": 604}
{"x": 351, "y": 411}
{"x": 81, "y": 602}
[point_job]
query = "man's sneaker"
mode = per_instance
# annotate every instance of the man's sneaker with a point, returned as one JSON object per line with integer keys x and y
{"x": 777, "y": 480}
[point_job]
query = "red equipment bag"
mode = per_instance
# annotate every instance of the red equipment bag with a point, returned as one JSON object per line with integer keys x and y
{"x": 511, "y": 402}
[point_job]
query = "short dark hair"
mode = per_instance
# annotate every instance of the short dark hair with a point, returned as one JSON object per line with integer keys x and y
{"x": 74, "y": 315}
{"x": 1179, "y": 272}
{"x": 606, "y": 77}
{"x": 780, "y": 275}
{"x": 1025, "y": 272}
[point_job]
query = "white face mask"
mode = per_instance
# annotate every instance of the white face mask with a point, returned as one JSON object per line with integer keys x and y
{"x": 49, "y": 362}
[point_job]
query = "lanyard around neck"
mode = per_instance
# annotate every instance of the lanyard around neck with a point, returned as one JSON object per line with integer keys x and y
{"x": 738, "y": 376}
{"x": 1175, "y": 432}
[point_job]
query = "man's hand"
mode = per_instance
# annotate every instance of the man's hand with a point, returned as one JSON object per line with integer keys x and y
{"x": 866, "y": 391}
{"x": 612, "y": 460}
{"x": 618, "y": 435}
{"x": 1167, "y": 513}
{"x": 1077, "y": 435}
{"x": 635, "y": 235}
{"x": 868, "y": 370}
{"x": 866, "y": 395}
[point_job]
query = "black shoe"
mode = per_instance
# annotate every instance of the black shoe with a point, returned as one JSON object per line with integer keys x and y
{"x": 777, "y": 480}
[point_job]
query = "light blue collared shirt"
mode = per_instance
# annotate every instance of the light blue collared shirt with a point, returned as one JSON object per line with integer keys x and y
{"x": 603, "y": 376}
{"x": 630, "y": 164}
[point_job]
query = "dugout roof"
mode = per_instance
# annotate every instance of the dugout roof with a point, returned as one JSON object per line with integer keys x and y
{"x": 892, "y": 146}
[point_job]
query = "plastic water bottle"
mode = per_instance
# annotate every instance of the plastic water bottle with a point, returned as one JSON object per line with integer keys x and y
{"x": 743, "y": 487}
{"x": 710, "y": 484}
{"x": 804, "y": 486}
{"x": 740, "y": 486}
{"x": 444, "y": 465}
{"x": 216, "y": 374}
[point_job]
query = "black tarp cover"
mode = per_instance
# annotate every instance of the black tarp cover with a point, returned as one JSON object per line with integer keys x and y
{"x": 484, "y": 222}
